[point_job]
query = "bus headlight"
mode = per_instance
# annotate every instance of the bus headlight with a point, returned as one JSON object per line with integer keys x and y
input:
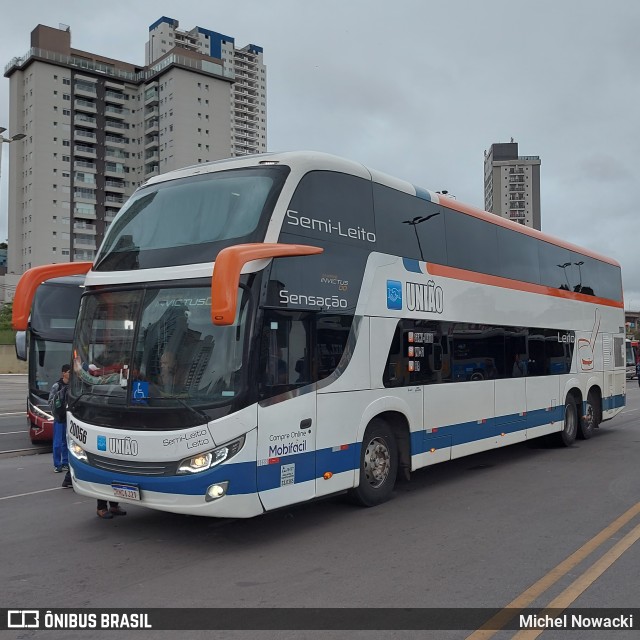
{"x": 39, "y": 412}
{"x": 77, "y": 451}
{"x": 208, "y": 459}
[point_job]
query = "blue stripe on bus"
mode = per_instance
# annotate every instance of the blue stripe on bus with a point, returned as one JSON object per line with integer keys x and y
{"x": 412, "y": 265}
{"x": 423, "y": 194}
{"x": 241, "y": 477}
{"x": 248, "y": 477}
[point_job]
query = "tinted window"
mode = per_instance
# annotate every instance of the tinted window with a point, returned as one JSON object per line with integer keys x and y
{"x": 409, "y": 226}
{"x": 189, "y": 220}
{"x": 299, "y": 348}
{"x": 430, "y": 352}
{"x": 518, "y": 256}
{"x": 472, "y": 243}
{"x": 556, "y": 267}
{"x": 333, "y": 207}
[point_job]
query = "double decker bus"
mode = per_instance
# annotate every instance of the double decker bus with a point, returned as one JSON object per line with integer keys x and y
{"x": 266, "y": 330}
{"x": 46, "y": 345}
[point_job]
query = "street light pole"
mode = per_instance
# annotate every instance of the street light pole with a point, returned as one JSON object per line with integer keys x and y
{"x": 14, "y": 138}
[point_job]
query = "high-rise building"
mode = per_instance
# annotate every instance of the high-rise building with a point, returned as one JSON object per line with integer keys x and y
{"x": 248, "y": 100}
{"x": 97, "y": 127}
{"x": 512, "y": 184}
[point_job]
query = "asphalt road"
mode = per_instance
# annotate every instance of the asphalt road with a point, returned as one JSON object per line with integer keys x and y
{"x": 530, "y": 523}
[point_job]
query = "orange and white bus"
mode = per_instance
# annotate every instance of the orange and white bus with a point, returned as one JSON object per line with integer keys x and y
{"x": 266, "y": 330}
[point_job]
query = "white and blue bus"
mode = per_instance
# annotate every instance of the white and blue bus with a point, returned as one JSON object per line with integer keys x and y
{"x": 266, "y": 330}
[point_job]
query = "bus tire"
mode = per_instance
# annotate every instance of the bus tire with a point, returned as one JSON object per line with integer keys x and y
{"x": 378, "y": 465}
{"x": 570, "y": 428}
{"x": 591, "y": 418}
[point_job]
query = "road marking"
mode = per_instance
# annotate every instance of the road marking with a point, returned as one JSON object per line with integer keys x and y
{"x": 13, "y": 413}
{"x": 583, "y": 582}
{"x": 8, "y": 433}
{"x": 31, "y": 493}
{"x": 502, "y": 618}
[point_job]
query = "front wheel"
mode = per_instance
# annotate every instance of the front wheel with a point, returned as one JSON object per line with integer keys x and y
{"x": 570, "y": 428}
{"x": 378, "y": 465}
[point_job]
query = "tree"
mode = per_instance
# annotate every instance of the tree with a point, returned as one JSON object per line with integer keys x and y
{"x": 5, "y": 315}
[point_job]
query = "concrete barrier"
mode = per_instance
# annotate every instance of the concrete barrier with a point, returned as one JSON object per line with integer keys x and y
{"x": 8, "y": 361}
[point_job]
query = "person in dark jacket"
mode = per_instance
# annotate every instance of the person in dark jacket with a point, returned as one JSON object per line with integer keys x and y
{"x": 58, "y": 405}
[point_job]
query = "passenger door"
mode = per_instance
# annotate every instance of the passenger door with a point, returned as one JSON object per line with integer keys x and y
{"x": 286, "y": 452}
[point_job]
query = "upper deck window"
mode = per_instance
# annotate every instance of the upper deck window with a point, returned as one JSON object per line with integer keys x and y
{"x": 189, "y": 220}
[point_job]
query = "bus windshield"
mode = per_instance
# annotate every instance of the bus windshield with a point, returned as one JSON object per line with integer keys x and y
{"x": 189, "y": 220}
{"x": 157, "y": 348}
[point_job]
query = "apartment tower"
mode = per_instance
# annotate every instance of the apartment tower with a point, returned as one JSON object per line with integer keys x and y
{"x": 96, "y": 128}
{"x": 512, "y": 184}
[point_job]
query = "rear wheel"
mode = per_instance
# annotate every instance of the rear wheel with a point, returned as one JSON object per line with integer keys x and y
{"x": 378, "y": 465}
{"x": 570, "y": 428}
{"x": 591, "y": 418}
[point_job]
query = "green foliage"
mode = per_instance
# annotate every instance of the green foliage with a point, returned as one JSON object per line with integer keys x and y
{"x": 7, "y": 336}
{"x": 5, "y": 316}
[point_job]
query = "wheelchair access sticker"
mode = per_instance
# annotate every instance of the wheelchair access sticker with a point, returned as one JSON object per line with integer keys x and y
{"x": 139, "y": 392}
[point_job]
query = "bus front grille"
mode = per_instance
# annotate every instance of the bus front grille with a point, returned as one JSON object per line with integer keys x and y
{"x": 133, "y": 467}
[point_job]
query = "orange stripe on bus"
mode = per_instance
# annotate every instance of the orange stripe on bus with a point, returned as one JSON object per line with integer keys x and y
{"x": 227, "y": 268}
{"x": 32, "y": 279}
{"x": 450, "y": 203}
{"x": 517, "y": 285}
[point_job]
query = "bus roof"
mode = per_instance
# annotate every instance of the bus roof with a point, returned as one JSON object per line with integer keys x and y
{"x": 305, "y": 161}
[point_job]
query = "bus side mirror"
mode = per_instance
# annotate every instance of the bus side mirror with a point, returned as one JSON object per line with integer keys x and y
{"x": 228, "y": 267}
{"x": 21, "y": 345}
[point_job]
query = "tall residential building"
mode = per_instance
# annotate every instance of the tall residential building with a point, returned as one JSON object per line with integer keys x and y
{"x": 248, "y": 100}
{"x": 512, "y": 184}
{"x": 97, "y": 127}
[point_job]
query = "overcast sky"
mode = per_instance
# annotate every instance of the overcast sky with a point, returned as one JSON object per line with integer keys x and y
{"x": 421, "y": 88}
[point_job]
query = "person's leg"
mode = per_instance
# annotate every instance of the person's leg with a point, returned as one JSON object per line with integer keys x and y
{"x": 64, "y": 450}
{"x": 58, "y": 434}
{"x": 116, "y": 510}
{"x": 103, "y": 511}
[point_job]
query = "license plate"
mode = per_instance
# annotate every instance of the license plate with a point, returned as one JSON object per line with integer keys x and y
{"x": 129, "y": 491}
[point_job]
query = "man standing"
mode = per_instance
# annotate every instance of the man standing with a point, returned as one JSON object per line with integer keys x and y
{"x": 58, "y": 404}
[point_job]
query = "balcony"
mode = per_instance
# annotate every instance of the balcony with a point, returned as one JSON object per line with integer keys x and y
{"x": 84, "y": 227}
{"x": 85, "y": 181}
{"x": 84, "y": 90}
{"x": 84, "y": 195}
{"x": 81, "y": 134}
{"x": 121, "y": 142}
{"x": 114, "y": 170}
{"x": 115, "y": 185}
{"x": 151, "y": 97}
{"x": 154, "y": 123}
{"x": 83, "y": 256}
{"x": 111, "y": 153}
{"x": 84, "y": 165}
{"x": 151, "y": 141}
{"x": 114, "y": 97}
{"x": 85, "y": 105}
{"x": 114, "y": 201}
{"x": 84, "y": 151}
{"x": 151, "y": 170}
{"x": 81, "y": 242}
{"x": 82, "y": 120}
{"x": 152, "y": 156}
{"x": 84, "y": 211}
{"x": 115, "y": 112}
{"x": 115, "y": 127}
